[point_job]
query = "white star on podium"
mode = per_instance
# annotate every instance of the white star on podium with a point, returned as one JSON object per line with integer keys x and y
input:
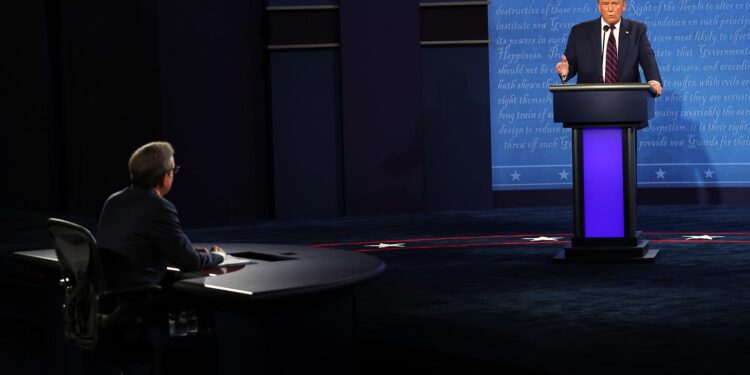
{"x": 516, "y": 176}
{"x": 709, "y": 173}
{"x": 563, "y": 175}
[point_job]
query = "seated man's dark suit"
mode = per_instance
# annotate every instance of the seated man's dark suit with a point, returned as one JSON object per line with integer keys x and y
{"x": 139, "y": 235}
{"x": 584, "y": 53}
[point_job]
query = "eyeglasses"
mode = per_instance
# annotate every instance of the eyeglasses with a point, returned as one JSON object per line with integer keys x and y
{"x": 176, "y": 169}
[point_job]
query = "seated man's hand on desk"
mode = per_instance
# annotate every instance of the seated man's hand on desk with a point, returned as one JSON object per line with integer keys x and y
{"x": 214, "y": 249}
{"x": 217, "y": 250}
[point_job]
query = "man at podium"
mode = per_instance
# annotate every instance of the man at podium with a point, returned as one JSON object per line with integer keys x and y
{"x": 609, "y": 50}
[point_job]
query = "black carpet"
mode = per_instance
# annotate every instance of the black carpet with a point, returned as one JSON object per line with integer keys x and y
{"x": 471, "y": 292}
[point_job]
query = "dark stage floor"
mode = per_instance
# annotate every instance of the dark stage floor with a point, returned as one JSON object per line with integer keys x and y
{"x": 477, "y": 293}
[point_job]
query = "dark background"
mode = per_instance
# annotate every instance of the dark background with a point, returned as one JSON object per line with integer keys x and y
{"x": 90, "y": 81}
{"x": 363, "y": 126}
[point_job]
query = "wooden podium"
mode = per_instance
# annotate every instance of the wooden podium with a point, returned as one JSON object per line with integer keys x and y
{"x": 604, "y": 119}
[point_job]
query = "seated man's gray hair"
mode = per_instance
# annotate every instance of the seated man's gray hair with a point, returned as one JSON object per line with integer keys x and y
{"x": 149, "y": 163}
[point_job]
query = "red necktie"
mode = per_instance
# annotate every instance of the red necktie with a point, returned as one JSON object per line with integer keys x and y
{"x": 611, "y": 75}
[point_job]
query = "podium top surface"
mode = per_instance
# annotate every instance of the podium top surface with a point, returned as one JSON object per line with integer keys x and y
{"x": 602, "y": 87}
{"x": 603, "y": 105}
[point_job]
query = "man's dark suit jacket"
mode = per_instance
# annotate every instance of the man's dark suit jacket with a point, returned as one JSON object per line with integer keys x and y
{"x": 139, "y": 234}
{"x": 584, "y": 53}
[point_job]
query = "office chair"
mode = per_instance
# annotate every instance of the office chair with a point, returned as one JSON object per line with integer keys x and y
{"x": 95, "y": 316}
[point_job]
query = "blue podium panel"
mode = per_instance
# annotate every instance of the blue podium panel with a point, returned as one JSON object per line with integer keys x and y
{"x": 603, "y": 197}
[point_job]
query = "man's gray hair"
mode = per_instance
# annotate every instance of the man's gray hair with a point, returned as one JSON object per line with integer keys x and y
{"x": 149, "y": 163}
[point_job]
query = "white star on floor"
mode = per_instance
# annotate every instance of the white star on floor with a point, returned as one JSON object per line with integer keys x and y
{"x": 563, "y": 175}
{"x": 703, "y": 237}
{"x": 385, "y": 245}
{"x": 660, "y": 174}
{"x": 516, "y": 176}
{"x": 709, "y": 173}
{"x": 543, "y": 238}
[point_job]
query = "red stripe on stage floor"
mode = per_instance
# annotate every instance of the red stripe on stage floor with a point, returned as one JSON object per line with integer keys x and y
{"x": 530, "y": 235}
{"x": 700, "y": 233}
{"x": 442, "y": 239}
{"x": 700, "y": 241}
{"x": 512, "y": 243}
{"x": 461, "y": 245}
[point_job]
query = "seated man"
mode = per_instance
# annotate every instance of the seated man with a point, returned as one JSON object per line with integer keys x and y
{"x": 141, "y": 230}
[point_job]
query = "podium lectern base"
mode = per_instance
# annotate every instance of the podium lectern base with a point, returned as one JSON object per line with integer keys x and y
{"x": 649, "y": 256}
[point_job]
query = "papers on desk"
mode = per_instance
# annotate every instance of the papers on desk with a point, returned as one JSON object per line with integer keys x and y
{"x": 231, "y": 260}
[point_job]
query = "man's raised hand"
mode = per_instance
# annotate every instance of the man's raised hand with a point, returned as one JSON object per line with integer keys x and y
{"x": 563, "y": 68}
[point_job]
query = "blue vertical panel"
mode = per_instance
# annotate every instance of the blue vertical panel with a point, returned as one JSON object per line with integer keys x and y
{"x": 455, "y": 100}
{"x": 381, "y": 90}
{"x": 305, "y": 100}
{"x": 603, "y": 196}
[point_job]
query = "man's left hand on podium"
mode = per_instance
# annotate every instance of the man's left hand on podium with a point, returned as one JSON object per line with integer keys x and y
{"x": 656, "y": 86}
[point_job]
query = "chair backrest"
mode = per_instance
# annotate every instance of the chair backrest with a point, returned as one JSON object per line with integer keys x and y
{"x": 96, "y": 317}
{"x": 77, "y": 256}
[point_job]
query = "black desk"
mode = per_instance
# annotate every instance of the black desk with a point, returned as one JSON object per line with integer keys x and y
{"x": 291, "y": 311}
{"x": 278, "y": 271}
